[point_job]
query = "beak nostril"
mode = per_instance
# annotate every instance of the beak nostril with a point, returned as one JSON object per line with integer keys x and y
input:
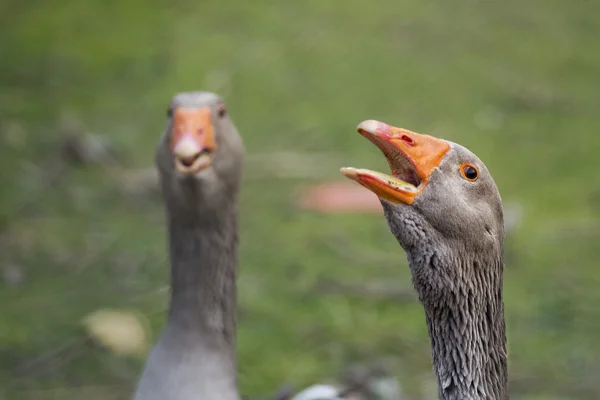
{"x": 407, "y": 139}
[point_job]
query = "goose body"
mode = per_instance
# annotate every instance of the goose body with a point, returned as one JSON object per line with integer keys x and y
{"x": 443, "y": 207}
{"x": 199, "y": 159}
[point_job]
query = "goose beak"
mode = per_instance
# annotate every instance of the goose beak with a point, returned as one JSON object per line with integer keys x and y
{"x": 412, "y": 158}
{"x": 193, "y": 140}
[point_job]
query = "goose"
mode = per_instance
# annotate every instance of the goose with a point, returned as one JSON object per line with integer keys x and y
{"x": 444, "y": 208}
{"x": 199, "y": 159}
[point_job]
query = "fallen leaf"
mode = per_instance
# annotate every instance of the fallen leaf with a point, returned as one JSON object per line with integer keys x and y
{"x": 123, "y": 332}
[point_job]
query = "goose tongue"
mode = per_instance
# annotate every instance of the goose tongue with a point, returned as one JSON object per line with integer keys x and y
{"x": 412, "y": 158}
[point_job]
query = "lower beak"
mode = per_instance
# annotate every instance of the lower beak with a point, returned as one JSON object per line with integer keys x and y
{"x": 412, "y": 158}
{"x": 192, "y": 140}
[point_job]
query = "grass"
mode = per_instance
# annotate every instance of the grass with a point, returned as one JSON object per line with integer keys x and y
{"x": 515, "y": 82}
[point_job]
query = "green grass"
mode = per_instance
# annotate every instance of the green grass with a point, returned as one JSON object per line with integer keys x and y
{"x": 516, "y": 82}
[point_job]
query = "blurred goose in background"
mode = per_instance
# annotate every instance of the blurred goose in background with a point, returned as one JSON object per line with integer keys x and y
{"x": 199, "y": 160}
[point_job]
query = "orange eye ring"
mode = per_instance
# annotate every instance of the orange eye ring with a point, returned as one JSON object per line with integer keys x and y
{"x": 469, "y": 172}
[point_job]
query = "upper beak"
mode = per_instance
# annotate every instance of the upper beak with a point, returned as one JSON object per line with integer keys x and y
{"x": 412, "y": 158}
{"x": 192, "y": 140}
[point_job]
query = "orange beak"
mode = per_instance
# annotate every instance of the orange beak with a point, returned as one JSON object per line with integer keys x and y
{"x": 412, "y": 158}
{"x": 193, "y": 139}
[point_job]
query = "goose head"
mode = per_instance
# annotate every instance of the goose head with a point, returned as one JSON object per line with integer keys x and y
{"x": 200, "y": 155}
{"x": 440, "y": 202}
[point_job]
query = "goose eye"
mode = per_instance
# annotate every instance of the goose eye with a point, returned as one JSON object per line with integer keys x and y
{"x": 170, "y": 113}
{"x": 221, "y": 111}
{"x": 469, "y": 172}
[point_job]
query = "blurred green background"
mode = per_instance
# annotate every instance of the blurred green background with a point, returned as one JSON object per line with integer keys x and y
{"x": 84, "y": 91}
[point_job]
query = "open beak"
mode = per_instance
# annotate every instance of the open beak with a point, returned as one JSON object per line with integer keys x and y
{"x": 412, "y": 158}
{"x": 193, "y": 139}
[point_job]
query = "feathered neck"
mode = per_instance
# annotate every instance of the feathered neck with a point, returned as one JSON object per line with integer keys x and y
{"x": 466, "y": 325}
